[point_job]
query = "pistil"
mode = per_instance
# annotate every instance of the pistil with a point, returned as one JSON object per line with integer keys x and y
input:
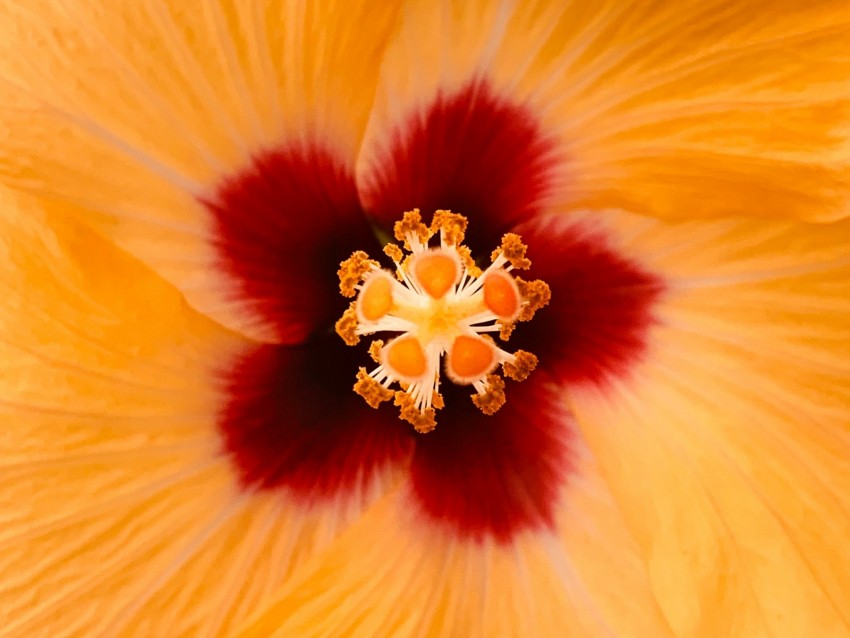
{"x": 438, "y": 303}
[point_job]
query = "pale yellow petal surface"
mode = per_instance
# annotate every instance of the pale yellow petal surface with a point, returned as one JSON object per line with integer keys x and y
{"x": 120, "y": 515}
{"x": 395, "y": 574}
{"x": 727, "y": 450}
{"x": 609, "y": 575}
{"x": 132, "y": 111}
{"x": 670, "y": 109}
{"x": 390, "y": 577}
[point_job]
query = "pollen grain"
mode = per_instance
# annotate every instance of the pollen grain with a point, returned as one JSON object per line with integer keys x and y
{"x": 451, "y": 226}
{"x": 372, "y": 392}
{"x": 493, "y": 398}
{"x": 411, "y": 228}
{"x": 536, "y": 295}
{"x": 513, "y": 250}
{"x": 422, "y": 422}
{"x": 352, "y": 270}
{"x": 522, "y": 365}
{"x": 346, "y": 326}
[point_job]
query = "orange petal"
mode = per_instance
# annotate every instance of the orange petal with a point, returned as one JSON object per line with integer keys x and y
{"x": 595, "y": 546}
{"x": 417, "y": 581}
{"x": 727, "y": 450}
{"x": 135, "y": 112}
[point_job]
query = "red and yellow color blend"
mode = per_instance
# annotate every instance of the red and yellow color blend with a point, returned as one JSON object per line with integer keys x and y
{"x": 182, "y": 452}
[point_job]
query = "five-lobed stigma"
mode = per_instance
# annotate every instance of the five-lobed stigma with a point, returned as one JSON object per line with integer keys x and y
{"x": 438, "y": 303}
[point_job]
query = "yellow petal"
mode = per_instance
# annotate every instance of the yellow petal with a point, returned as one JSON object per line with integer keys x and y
{"x": 119, "y": 513}
{"x": 727, "y": 450}
{"x": 606, "y": 562}
{"x": 412, "y": 580}
{"x": 135, "y": 111}
{"x": 675, "y": 110}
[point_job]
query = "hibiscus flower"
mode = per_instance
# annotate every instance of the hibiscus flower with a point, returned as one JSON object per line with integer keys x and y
{"x": 181, "y": 448}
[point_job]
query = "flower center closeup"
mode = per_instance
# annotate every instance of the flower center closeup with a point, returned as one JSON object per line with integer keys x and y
{"x": 441, "y": 303}
{"x": 289, "y": 421}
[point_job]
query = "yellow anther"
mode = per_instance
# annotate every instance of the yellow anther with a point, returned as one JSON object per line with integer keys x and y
{"x": 436, "y": 271}
{"x": 375, "y": 350}
{"x": 372, "y": 391}
{"x": 470, "y": 358}
{"x": 506, "y": 329}
{"x": 468, "y": 262}
{"x": 451, "y": 225}
{"x": 352, "y": 270}
{"x": 393, "y": 251}
{"x": 437, "y": 401}
{"x": 493, "y": 398}
{"x": 522, "y": 365}
{"x": 405, "y": 357}
{"x": 513, "y": 250}
{"x": 536, "y": 295}
{"x": 376, "y": 297}
{"x": 501, "y": 295}
{"x": 422, "y": 422}
{"x": 411, "y": 225}
{"x": 346, "y": 326}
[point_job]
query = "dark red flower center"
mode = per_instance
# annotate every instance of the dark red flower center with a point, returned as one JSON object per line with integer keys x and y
{"x": 292, "y": 422}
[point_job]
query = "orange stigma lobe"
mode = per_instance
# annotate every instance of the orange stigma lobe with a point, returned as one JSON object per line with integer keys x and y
{"x": 436, "y": 272}
{"x": 405, "y": 357}
{"x": 470, "y": 358}
{"x": 376, "y": 297}
{"x": 501, "y": 295}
